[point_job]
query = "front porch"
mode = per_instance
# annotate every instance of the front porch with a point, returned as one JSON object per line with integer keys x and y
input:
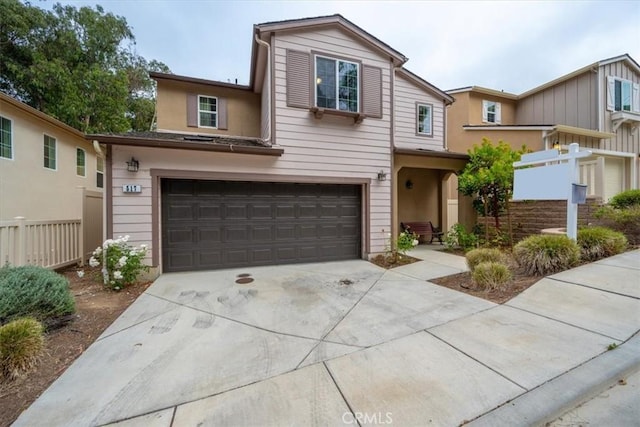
{"x": 421, "y": 189}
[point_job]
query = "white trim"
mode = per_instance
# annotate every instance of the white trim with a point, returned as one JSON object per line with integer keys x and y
{"x": 507, "y": 127}
{"x": 208, "y": 112}
{"x": 85, "y": 162}
{"x": 486, "y": 104}
{"x": 337, "y": 76}
{"x": 13, "y": 153}
{"x": 55, "y": 150}
{"x": 98, "y": 171}
{"x": 606, "y": 152}
{"x": 430, "y": 108}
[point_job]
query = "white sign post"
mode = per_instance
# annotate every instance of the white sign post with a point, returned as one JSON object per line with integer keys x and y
{"x": 551, "y": 181}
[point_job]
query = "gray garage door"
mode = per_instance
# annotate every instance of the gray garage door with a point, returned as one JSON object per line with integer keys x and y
{"x": 220, "y": 224}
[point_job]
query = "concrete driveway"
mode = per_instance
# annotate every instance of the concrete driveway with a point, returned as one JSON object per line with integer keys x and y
{"x": 336, "y": 343}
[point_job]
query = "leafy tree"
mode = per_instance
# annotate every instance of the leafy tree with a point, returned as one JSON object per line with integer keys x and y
{"x": 488, "y": 177}
{"x": 76, "y": 64}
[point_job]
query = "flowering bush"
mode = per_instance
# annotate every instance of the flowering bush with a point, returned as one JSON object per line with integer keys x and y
{"x": 406, "y": 241}
{"x": 121, "y": 263}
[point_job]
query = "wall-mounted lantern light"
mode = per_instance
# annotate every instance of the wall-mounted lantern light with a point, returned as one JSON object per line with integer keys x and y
{"x": 133, "y": 165}
{"x": 382, "y": 176}
{"x": 408, "y": 185}
{"x": 557, "y": 146}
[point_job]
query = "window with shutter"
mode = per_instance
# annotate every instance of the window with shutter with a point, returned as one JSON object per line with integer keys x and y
{"x": 298, "y": 79}
{"x": 206, "y": 111}
{"x": 491, "y": 112}
{"x": 622, "y": 95}
{"x": 337, "y": 84}
{"x": 372, "y": 91}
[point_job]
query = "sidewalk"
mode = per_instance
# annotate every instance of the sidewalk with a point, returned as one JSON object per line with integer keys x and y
{"x": 298, "y": 346}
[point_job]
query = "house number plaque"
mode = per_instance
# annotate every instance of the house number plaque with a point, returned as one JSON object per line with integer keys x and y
{"x": 131, "y": 188}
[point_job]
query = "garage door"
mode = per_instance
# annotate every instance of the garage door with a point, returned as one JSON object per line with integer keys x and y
{"x": 220, "y": 224}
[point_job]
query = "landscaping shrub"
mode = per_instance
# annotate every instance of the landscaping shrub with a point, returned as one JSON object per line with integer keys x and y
{"x": 626, "y": 199}
{"x": 21, "y": 345}
{"x": 476, "y": 256}
{"x": 121, "y": 263}
{"x": 490, "y": 275}
{"x": 626, "y": 221}
{"x": 545, "y": 254}
{"x": 35, "y": 292}
{"x": 600, "y": 242}
{"x": 459, "y": 237}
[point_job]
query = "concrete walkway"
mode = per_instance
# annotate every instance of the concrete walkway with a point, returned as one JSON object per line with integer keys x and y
{"x": 336, "y": 343}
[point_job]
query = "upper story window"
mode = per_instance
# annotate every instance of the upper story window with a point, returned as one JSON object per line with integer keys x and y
{"x": 425, "y": 119}
{"x": 623, "y": 95}
{"x": 49, "y": 152}
{"x": 207, "y": 111}
{"x": 6, "y": 143}
{"x": 337, "y": 84}
{"x": 81, "y": 162}
{"x": 99, "y": 172}
{"x": 491, "y": 112}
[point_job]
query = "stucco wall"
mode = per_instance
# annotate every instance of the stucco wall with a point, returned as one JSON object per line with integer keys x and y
{"x": 29, "y": 189}
{"x": 243, "y": 108}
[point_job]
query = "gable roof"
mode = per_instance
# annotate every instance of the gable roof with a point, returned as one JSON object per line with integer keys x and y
{"x": 39, "y": 114}
{"x": 336, "y": 19}
{"x": 594, "y": 66}
{"x": 448, "y": 99}
{"x": 625, "y": 58}
{"x": 263, "y": 32}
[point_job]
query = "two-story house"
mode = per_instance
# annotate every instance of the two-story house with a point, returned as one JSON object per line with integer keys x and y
{"x": 320, "y": 157}
{"x": 597, "y": 106}
{"x": 44, "y": 165}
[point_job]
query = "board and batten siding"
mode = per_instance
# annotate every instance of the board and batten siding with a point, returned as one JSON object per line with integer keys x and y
{"x": 334, "y": 146}
{"x": 407, "y": 95}
{"x": 572, "y": 102}
{"x": 626, "y": 140}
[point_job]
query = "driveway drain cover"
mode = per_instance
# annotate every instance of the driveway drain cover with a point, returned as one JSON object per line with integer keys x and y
{"x": 244, "y": 280}
{"x": 243, "y": 275}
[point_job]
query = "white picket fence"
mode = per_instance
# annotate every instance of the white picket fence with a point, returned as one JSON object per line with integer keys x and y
{"x": 49, "y": 244}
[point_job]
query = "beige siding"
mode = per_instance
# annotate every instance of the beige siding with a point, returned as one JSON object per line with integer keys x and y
{"x": 335, "y": 146}
{"x": 406, "y": 96}
{"x": 243, "y": 108}
{"x": 572, "y": 103}
{"x": 626, "y": 140}
{"x": 29, "y": 189}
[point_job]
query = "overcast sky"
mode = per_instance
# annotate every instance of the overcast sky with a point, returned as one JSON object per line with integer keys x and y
{"x": 510, "y": 46}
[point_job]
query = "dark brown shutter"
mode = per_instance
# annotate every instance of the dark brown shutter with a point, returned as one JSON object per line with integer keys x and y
{"x": 298, "y": 79}
{"x": 192, "y": 110}
{"x": 222, "y": 114}
{"x": 371, "y": 91}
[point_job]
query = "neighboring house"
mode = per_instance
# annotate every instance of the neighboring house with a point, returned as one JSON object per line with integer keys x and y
{"x": 330, "y": 146}
{"x": 597, "y": 106}
{"x": 44, "y": 165}
{"x": 51, "y": 180}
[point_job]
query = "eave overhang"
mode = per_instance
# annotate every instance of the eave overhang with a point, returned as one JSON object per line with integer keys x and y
{"x": 184, "y": 145}
{"x": 431, "y": 153}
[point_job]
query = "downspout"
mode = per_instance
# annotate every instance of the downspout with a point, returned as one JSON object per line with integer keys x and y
{"x": 268, "y": 46}
{"x": 394, "y": 180}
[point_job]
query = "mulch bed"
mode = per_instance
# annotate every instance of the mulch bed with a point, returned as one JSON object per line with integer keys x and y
{"x": 96, "y": 308}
